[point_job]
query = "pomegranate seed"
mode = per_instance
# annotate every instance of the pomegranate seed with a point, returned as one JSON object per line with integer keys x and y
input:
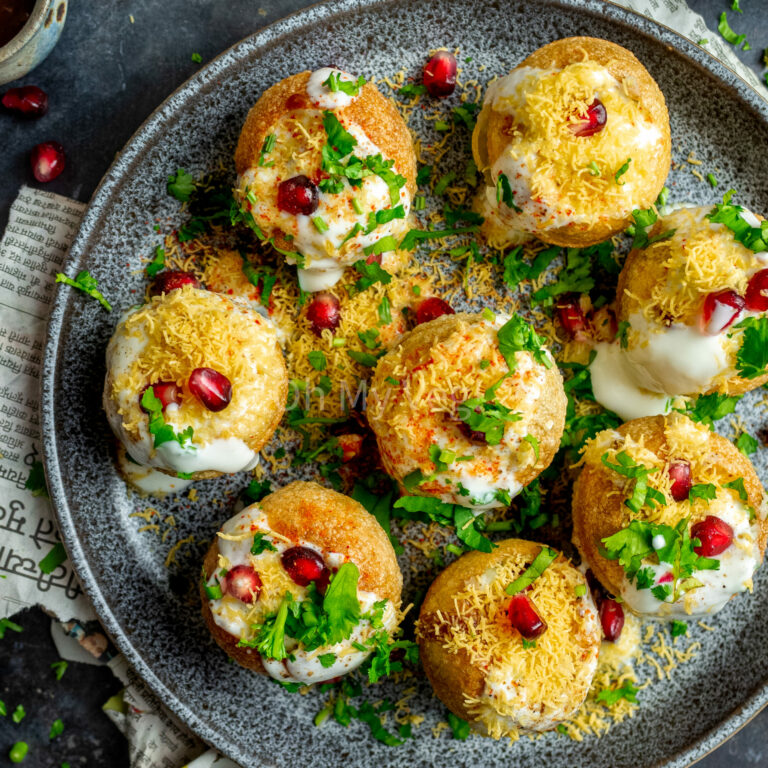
{"x": 666, "y": 578}
{"x": 165, "y": 391}
{"x": 680, "y": 475}
{"x": 714, "y": 534}
{"x": 324, "y": 313}
{"x": 611, "y": 619}
{"x": 440, "y": 74}
{"x": 757, "y": 292}
{"x": 29, "y": 101}
{"x": 47, "y": 160}
{"x": 243, "y": 583}
{"x": 170, "y": 280}
{"x": 298, "y": 195}
{"x": 303, "y": 565}
{"x": 431, "y": 308}
{"x": 573, "y": 320}
{"x": 374, "y": 258}
{"x": 351, "y": 446}
{"x": 593, "y": 123}
{"x": 720, "y": 311}
{"x": 212, "y": 388}
{"x": 524, "y": 618}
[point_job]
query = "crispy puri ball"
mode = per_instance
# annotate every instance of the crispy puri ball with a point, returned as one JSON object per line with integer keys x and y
{"x": 475, "y": 659}
{"x": 661, "y": 294}
{"x": 564, "y": 200}
{"x": 663, "y": 444}
{"x": 416, "y": 400}
{"x": 300, "y": 514}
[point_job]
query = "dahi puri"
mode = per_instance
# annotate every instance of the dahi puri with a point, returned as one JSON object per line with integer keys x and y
{"x": 473, "y": 645}
{"x": 571, "y": 142}
{"x": 648, "y": 492}
{"x": 686, "y": 300}
{"x": 297, "y": 542}
{"x": 467, "y": 409}
{"x": 326, "y": 167}
{"x": 196, "y": 384}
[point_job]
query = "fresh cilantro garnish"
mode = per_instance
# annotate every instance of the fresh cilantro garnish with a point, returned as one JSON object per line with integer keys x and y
{"x": 317, "y": 360}
{"x": 424, "y": 174}
{"x": 55, "y": 557}
{"x": 260, "y": 544}
{"x": 379, "y": 505}
{"x": 384, "y": 216}
{"x": 59, "y": 668}
{"x": 385, "y": 315}
{"x": 624, "y": 168}
{"x": 738, "y": 486}
{"x": 8, "y": 624}
{"x": 541, "y": 562}
{"x": 576, "y": 275}
{"x": 335, "y": 83}
{"x": 516, "y": 269}
{"x": 642, "y": 494}
{"x": 340, "y": 604}
{"x": 444, "y": 182}
{"x": 454, "y": 215}
{"x": 364, "y": 358}
{"x": 370, "y": 274}
{"x": 752, "y": 357}
{"x": 516, "y": 335}
{"x": 488, "y": 417}
{"x": 465, "y": 114}
{"x": 35, "y": 482}
{"x": 442, "y": 458}
{"x": 393, "y": 381}
{"x": 157, "y": 263}
{"x": 57, "y": 728}
{"x": 728, "y": 214}
{"x": 621, "y": 333}
{"x": 383, "y": 245}
{"x": 262, "y": 278}
{"x": 370, "y": 338}
{"x": 746, "y": 443}
{"x": 735, "y": 6}
{"x": 327, "y": 660}
{"x": 430, "y": 509}
{"x": 197, "y": 58}
{"x": 609, "y": 696}
{"x": 645, "y": 578}
{"x": 415, "y": 236}
{"x": 162, "y": 432}
{"x": 181, "y": 185}
{"x": 528, "y": 644}
{"x": 712, "y": 407}
{"x": 441, "y": 125}
{"x": 19, "y": 714}
{"x": 678, "y": 628}
{"x": 266, "y": 148}
{"x": 270, "y": 641}
{"x": 459, "y": 727}
{"x": 410, "y": 90}
{"x": 86, "y": 283}
{"x": 384, "y": 170}
{"x": 704, "y": 491}
{"x": 724, "y": 28}
{"x": 644, "y": 219}
{"x": 257, "y": 490}
{"x": 534, "y": 443}
{"x": 504, "y": 193}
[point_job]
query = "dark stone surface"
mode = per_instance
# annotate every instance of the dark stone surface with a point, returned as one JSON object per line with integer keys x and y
{"x": 104, "y": 78}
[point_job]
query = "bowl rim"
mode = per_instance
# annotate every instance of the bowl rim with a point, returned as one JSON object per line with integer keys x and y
{"x": 28, "y": 31}
{"x": 145, "y": 136}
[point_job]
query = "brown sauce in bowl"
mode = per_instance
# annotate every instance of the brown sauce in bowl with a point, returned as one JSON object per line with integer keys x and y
{"x": 14, "y": 14}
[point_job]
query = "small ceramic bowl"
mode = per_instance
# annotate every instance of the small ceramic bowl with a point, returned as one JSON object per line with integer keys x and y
{"x": 35, "y": 41}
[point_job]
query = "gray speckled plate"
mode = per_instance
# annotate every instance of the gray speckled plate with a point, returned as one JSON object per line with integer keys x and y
{"x": 151, "y": 611}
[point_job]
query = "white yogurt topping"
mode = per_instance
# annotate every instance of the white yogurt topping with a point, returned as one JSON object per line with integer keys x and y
{"x": 737, "y": 565}
{"x": 148, "y": 480}
{"x": 229, "y": 613}
{"x": 322, "y": 96}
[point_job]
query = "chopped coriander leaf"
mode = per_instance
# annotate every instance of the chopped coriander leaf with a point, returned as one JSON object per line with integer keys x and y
{"x": 487, "y": 417}
{"x": 260, "y": 544}
{"x": 642, "y": 493}
{"x": 576, "y": 276}
{"x": 424, "y": 175}
{"x": 162, "y": 432}
{"x": 735, "y": 6}
{"x": 410, "y": 90}
{"x": 712, "y": 407}
{"x": 504, "y": 193}
{"x": 516, "y": 269}
{"x": 441, "y": 125}
{"x": 335, "y": 83}
{"x": 197, "y": 58}
{"x": 621, "y": 333}
{"x": 87, "y": 284}
{"x": 534, "y": 443}
{"x": 470, "y": 172}
{"x": 18, "y": 714}
{"x": 724, "y": 28}
{"x": 540, "y": 564}
{"x": 394, "y": 382}
{"x": 266, "y": 148}
{"x": 258, "y": 489}
{"x": 3, "y": 709}
{"x": 678, "y": 628}
{"x": 459, "y": 727}
{"x": 752, "y": 357}
{"x": 645, "y": 578}
{"x": 484, "y": 364}
{"x": 712, "y": 180}
{"x": 53, "y": 559}
{"x": 59, "y": 668}
{"x": 157, "y": 263}
{"x": 340, "y": 603}
{"x": 643, "y": 221}
{"x": 327, "y": 660}
{"x": 370, "y": 274}
{"x": 609, "y": 696}
{"x": 738, "y": 486}
{"x": 384, "y": 245}
{"x": 516, "y": 335}
{"x": 465, "y": 113}
{"x": 317, "y": 360}
{"x": 181, "y": 185}
{"x": 364, "y": 358}
{"x": 8, "y": 624}
{"x": 444, "y": 182}
{"x": 415, "y": 236}
{"x": 754, "y": 238}
{"x": 594, "y": 169}
{"x": 624, "y": 168}
{"x": 703, "y": 41}
{"x": 36, "y": 480}
{"x": 385, "y": 315}
{"x": 705, "y": 491}
{"x": 57, "y": 728}
{"x": 746, "y": 443}
{"x": 370, "y": 338}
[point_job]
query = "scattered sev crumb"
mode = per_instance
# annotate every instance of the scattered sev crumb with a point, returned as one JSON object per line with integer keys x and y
{"x": 171, "y": 557}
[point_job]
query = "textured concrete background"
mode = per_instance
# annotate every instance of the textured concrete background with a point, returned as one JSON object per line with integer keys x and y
{"x": 104, "y": 78}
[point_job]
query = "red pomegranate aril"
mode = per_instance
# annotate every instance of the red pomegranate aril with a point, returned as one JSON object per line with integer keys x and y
{"x": 47, "y": 160}
{"x": 351, "y": 447}
{"x": 757, "y": 292}
{"x": 440, "y": 74}
{"x": 431, "y": 308}
{"x": 298, "y": 195}
{"x": 720, "y": 311}
{"x": 524, "y": 617}
{"x": 374, "y": 258}
{"x": 304, "y": 565}
{"x": 714, "y": 534}
{"x": 680, "y": 475}
{"x": 243, "y": 583}
{"x": 170, "y": 280}
{"x": 166, "y": 392}
{"x": 593, "y": 123}
{"x": 573, "y": 320}
{"x": 324, "y": 313}
{"x": 213, "y": 389}
{"x": 666, "y": 578}
{"x": 611, "y": 619}
{"x": 29, "y": 101}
